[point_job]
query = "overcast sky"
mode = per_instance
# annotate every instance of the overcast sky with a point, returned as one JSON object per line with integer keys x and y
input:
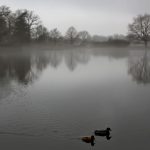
{"x": 104, "y": 17}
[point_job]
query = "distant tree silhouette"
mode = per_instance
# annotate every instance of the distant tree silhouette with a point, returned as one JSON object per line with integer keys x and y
{"x": 19, "y": 25}
{"x": 4, "y": 11}
{"x": 55, "y": 35}
{"x": 118, "y": 40}
{"x": 140, "y": 28}
{"x": 4, "y": 23}
{"x": 71, "y": 34}
{"x": 84, "y": 36}
{"x": 11, "y": 25}
{"x": 3, "y": 28}
{"x": 24, "y": 26}
{"x": 32, "y": 20}
{"x": 41, "y": 33}
{"x": 21, "y": 30}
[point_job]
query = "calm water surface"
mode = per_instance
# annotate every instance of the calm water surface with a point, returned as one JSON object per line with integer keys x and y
{"x": 49, "y": 99}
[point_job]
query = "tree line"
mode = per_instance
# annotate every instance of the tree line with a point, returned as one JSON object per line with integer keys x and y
{"x": 24, "y": 26}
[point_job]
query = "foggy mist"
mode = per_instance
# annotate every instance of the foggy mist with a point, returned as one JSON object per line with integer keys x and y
{"x": 74, "y": 74}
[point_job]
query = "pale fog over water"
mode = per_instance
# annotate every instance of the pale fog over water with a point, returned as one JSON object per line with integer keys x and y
{"x": 49, "y": 99}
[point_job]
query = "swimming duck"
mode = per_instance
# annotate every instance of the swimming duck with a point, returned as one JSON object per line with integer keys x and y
{"x": 103, "y": 132}
{"x": 88, "y": 139}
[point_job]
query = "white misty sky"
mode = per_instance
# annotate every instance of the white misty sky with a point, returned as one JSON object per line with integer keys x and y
{"x": 104, "y": 17}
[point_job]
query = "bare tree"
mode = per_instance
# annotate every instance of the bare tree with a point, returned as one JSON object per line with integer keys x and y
{"x": 32, "y": 20}
{"x": 5, "y": 14}
{"x": 41, "y": 33}
{"x": 4, "y": 11}
{"x": 8, "y": 17}
{"x": 84, "y": 36}
{"x": 21, "y": 30}
{"x": 55, "y": 35}
{"x": 71, "y": 34}
{"x": 140, "y": 28}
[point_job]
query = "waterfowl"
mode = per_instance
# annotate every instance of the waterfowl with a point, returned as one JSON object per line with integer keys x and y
{"x": 88, "y": 139}
{"x": 103, "y": 132}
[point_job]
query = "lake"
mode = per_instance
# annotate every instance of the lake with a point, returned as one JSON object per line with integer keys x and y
{"x": 51, "y": 98}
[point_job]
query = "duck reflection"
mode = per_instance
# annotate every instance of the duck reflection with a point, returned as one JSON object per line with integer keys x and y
{"x": 140, "y": 69}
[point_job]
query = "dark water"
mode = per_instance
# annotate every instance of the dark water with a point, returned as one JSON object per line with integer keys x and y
{"x": 49, "y": 99}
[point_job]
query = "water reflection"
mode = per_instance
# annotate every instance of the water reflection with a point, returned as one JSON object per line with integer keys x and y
{"x": 139, "y": 68}
{"x": 73, "y": 58}
{"x": 18, "y": 68}
{"x": 25, "y": 68}
{"x": 95, "y": 95}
